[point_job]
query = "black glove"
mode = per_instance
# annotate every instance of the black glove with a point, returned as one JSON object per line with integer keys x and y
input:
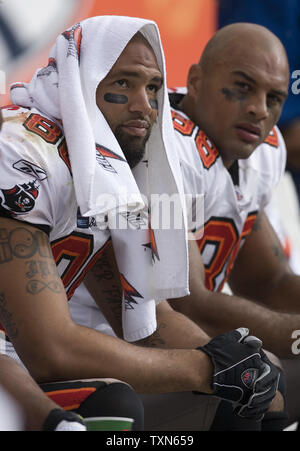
{"x": 242, "y": 373}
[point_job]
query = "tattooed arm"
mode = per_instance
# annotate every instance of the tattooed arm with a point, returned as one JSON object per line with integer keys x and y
{"x": 35, "y": 312}
{"x": 103, "y": 282}
{"x": 265, "y": 293}
{"x": 172, "y": 330}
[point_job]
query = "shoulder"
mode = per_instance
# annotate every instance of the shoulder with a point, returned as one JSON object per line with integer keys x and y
{"x": 34, "y": 168}
{"x": 268, "y": 163}
{"x": 31, "y": 135}
{"x": 18, "y": 121}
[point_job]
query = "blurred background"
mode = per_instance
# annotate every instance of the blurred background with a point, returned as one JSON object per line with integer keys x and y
{"x": 29, "y": 28}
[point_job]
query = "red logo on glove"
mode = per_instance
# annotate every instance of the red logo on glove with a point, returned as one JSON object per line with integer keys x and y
{"x": 249, "y": 376}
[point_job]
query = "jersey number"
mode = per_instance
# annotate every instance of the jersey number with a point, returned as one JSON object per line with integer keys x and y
{"x": 207, "y": 151}
{"x": 72, "y": 257}
{"x": 222, "y": 241}
{"x": 44, "y": 128}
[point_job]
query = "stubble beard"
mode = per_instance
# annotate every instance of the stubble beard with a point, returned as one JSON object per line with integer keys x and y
{"x": 133, "y": 147}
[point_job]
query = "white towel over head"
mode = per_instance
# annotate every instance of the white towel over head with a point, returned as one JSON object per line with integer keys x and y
{"x": 153, "y": 261}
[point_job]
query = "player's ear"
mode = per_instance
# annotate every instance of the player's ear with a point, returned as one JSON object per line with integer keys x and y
{"x": 194, "y": 80}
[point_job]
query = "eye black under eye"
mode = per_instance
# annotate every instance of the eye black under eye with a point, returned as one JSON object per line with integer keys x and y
{"x": 153, "y": 104}
{"x": 115, "y": 98}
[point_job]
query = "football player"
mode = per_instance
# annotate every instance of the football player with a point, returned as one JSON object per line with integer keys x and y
{"x": 232, "y": 151}
{"x": 23, "y": 403}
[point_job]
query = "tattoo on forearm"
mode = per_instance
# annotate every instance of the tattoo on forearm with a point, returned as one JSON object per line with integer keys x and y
{"x": 43, "y": 268}
{"x": 102, "y": 270}
{"x": 113, "y": 297}
{"x": 155, "y": 340}
{"x": 36, "y": 286}
{"x": 110, "y": 287}
{"x": 22, "y": 243}
{"x": 6, "y": 319}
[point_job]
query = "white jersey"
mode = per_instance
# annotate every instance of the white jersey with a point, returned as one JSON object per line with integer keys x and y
{"x": 230, "y": 208}
{"x": 232, "y": 199}
{"x": 36, "y": 186}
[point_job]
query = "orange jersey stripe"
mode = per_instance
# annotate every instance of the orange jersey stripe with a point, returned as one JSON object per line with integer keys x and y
{"x": 72, "y": 398}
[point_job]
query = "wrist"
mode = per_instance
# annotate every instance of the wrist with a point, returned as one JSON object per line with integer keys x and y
{"x": 206, "y": 373}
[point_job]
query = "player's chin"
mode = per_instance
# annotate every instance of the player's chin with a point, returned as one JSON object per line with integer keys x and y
{"x": 244, "y": 151}
{"x": 133, "y": 147}
{"x": 134, "y": 154}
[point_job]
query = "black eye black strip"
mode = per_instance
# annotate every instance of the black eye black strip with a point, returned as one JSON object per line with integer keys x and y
{"x": 115, "y": 98}
{"x": 153, "y": 104}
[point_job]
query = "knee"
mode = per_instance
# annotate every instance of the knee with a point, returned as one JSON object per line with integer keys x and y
{"x": 115, "y": 399}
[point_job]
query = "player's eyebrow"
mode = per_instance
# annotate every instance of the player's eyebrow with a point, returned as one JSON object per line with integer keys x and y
{"x": 127, "y": 73}
{"x": 158, "y": 79}
{"x": 279, "y": 92}
{"x": 244, "y": 75}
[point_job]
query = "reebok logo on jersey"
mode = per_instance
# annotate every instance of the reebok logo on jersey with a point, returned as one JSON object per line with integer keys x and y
{"x": 20, "y": 198}
{"x": 249, "y": 376}
{"x": 30, "y": 168}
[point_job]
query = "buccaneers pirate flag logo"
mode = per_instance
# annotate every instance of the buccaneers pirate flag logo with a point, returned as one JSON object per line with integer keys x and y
{"x": 74, "y": 36}
{"x": 152, "y": 246}
{"x": 102, "y": 156}
{"x": 21, "y": 198}
{"x": 129, "y": 293}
